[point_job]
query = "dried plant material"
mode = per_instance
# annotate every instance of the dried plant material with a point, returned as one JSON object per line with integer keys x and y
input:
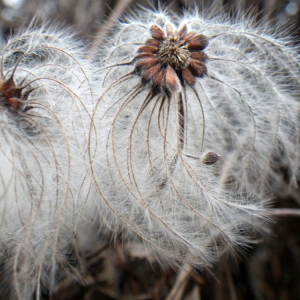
{"x": 181, "y": 282}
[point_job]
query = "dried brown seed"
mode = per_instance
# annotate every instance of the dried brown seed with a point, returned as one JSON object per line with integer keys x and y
{"x": 157, "y": 33}
{"x": 11, "y": 95}
{"x": 153, "y": 43}
{"x": 145, "y": 55}
{"x": 199, "y": 56}
{"x": 14, "y": 103}
{"x": 145, "y": 64}
{"x": 182, "y": 32}
{"x": 188, "y": 77}
{"x": 151, "y": 72}
{"x": 188, "y": 37}
{"x": 172, "y": 80}
{"x": 198, "y": 42}
{"x": 197, "y": 68}
{"x": 7, "y": 85}
{"x": 169, "y": 29}
{"x": 147, "y": 49}
{"x": 160, "y": 79}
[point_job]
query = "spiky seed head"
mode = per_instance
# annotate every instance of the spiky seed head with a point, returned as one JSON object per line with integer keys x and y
{"x": 171, "y": 58}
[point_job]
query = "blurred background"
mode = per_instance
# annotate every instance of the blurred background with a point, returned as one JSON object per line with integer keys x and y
{"x": 91, "y": 18}
{"x": 270, "y": 270}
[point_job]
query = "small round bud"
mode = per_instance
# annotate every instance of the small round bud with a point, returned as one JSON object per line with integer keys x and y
{"x": 210, "y": 158}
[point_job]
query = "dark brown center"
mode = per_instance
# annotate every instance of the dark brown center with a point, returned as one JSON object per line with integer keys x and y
{"x": 171, "y": 59}
{"x": 172, "y": 53}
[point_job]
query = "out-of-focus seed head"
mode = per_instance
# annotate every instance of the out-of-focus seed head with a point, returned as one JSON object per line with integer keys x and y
{"x": 45, "y": 103}
{"x": 10, "y": 95}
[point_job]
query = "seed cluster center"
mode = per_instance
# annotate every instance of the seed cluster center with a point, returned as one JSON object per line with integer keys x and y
{"x": 171, "y": 59}
{"x": 172, "y": 53}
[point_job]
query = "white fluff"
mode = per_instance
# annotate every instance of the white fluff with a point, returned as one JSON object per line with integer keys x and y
{"x": 244, "y": 109}
{"x": 87, "y": 153}
{"x": 44, "y": 177}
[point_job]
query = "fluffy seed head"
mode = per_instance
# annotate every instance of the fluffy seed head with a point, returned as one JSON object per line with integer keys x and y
{"x": 45, "y": 101}
{"x": 154, "y": 124}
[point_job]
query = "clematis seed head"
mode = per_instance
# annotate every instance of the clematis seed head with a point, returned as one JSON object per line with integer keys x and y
{"x": 171, "y": 58}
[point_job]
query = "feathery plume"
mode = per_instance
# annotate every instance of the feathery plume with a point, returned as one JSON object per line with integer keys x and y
{"x": 45, "y": 109}
{"x": 176, "y": 93}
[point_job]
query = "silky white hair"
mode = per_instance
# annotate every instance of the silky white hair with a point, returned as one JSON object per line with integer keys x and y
{"x": 89, "y": 149}
{"x": 245, "y": 110}
{"x": 44, "y": 177}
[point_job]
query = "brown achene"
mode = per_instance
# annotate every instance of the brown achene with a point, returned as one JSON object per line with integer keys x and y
{"x": 171, "y": 59}
{"x": 11, "y": 96}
